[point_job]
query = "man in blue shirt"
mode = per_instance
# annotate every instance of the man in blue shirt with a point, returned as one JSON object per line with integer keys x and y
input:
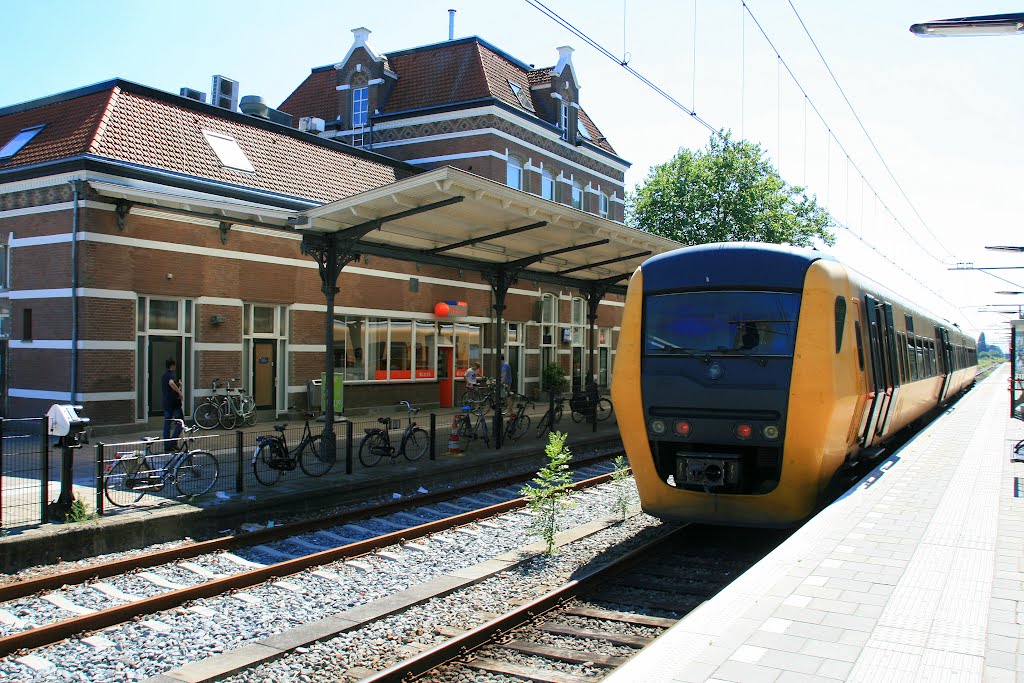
{"x": 173, "y": 397}
{"x": 506, "y": 375}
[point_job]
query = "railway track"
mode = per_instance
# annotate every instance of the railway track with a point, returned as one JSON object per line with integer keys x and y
{"x": 45, "y": 610}
{"x": 582, "y": 630}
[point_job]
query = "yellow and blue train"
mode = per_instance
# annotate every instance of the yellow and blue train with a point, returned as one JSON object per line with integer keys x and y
{"x": 748, "y": 375}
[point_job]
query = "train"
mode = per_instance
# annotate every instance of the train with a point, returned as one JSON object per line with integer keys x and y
{"x": 748, "y": 377}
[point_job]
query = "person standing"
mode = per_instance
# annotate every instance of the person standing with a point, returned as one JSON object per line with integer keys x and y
{"x": 173, "y": 399}
{"x": 506, "y": 375}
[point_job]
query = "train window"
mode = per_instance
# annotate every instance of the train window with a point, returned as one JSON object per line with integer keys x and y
{"x": 919, "y": 355}
{"x": 912, "y": 357}
{"x": 840, "y": 322}
{"x": 901, "y": 352}
{"x": 910, "y": 325}
{"x": 860, "y": 344}
{"x": 721, "y": 323}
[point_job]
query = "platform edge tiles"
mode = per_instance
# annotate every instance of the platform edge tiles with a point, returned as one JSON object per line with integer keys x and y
{"x": 916, "y": 574}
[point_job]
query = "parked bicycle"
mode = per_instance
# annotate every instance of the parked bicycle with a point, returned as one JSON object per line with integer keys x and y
{"x": 518, "y": 423}
{"x": 470, "y": 430}
{"x": 237, "y": 409}
{"x": 481, "y": 398}
{"x": 207, "y": 412}
{"x": 135, "y": 473}
{"x": 581, "y": 407}
{"x": 549, "y": 419}
{"x": 272, "y": 458}
{"x": 377, "y": 443}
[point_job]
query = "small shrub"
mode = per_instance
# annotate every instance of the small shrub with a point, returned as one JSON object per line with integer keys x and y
{"x": 548, "y": 493}
{"x": 621, "y": 479}
{"x": 79, "y": 512}
{"x": 552, "y": 378}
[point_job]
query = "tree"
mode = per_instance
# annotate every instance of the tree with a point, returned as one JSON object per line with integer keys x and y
{"x": 727, "y": 192}
{"x": 982, "y": 346}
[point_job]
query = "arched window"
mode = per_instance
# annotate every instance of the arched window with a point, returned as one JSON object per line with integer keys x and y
{"x": 514, "y": 176}
{"x": 547, "y": 185}
{"x": 577, "y": 195}
{"x": 603, "y": 206}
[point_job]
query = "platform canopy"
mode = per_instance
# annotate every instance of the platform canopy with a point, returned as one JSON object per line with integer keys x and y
{"x": 452, "y": 217}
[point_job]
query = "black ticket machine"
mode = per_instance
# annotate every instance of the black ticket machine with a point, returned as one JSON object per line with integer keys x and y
{"x": 68, "y": 425}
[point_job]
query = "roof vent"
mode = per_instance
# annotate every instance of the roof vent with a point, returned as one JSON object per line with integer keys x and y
{"x": 311, "y": 124}
{"x": 253, "y": 105}
{"x": 224, "y": 93}
{"x": 193, "y": 94}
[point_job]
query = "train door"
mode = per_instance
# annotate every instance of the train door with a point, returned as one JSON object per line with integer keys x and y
{"x": 892, "y": 367}
{"x": 945, "y": 361}
{"x": 877, "y": 375}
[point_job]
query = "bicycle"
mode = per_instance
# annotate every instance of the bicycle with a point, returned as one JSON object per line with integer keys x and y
{"x": 377, "y": 443}
{"x": 207, "y": 412}
{"x": 518, "y": 422}
{"x": 481, "y": 397}
{"x": 272, "y": 458}
{"x": 238, "y": 408}
{"x": 136, "y": 473}
{"x": 470, "y": 432}
{"x": 581, "y": 408}
{"x": 548, "y": 420}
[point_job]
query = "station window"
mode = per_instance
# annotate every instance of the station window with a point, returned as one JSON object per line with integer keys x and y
{"x": 514, "y": 174}
{"x": 577, "y": 195}
{"x": 547, "y": 185}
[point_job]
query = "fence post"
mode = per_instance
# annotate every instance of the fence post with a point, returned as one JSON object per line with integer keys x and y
{"x": 100, "y": 459}
{"x": 433, "y": 431}
{"x": 44, "y": 477}
{"x": 240, "y": 468}
{"x": 348, "y": 447}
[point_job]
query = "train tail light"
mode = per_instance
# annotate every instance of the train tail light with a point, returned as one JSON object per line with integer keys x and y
{"x": 657, "y": 426}
{"x": 683, "y": 428}
{"x": 743, "y": 431}
{"x": 770, "y": 432}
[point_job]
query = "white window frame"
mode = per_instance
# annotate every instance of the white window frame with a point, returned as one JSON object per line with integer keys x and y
{"x": 228, "y": 151}
{"x": 360, "y": 106}
{"x": 577, "y": 195}
{"x": 602, "y": 205}
{"x": 547, "y": 185}
{"x": 514, "y": 172}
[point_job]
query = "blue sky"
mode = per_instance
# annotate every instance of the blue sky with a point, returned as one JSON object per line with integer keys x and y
{"x": 945, "y": 113}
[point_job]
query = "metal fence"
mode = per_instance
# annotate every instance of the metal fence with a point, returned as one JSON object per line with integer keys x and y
{"x": 136, "y": 474}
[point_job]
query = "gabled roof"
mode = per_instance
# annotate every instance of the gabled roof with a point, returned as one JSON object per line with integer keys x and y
{"x": 131, "y": 124}
{"x": 468, "y": 70}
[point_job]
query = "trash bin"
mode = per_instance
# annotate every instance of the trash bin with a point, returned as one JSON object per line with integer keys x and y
{"x": 313, "y": 395}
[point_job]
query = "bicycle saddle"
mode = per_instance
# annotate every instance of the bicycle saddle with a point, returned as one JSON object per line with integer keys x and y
{"x": 280, "y": 428}
{"x": 384, "y": 420}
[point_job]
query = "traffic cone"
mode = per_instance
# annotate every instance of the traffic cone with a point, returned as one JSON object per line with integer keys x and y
{"x": 453, "y": 439}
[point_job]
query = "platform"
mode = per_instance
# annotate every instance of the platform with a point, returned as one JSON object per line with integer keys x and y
{"x": 916, "y": 574}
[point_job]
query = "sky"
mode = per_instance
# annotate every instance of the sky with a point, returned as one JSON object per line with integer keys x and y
{"x": 944, "y": 114}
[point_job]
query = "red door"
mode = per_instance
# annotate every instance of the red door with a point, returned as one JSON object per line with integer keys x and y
{"x": 444, "y": 374}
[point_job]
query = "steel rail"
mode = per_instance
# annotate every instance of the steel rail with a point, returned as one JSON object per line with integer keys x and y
{"x": 51, "y": 633}
{"x": 459, "y": 646}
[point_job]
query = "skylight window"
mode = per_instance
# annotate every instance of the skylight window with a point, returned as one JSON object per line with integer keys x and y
{"x": 584, "y": 133}
{"x": 23, "y": 137}
{"x": 521, "y": 95}
{"x": 227, "y": 150}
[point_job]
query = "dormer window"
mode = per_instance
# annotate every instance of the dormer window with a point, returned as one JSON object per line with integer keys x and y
{"x": 22, "y": 138}
{"x": 360, "y": 106}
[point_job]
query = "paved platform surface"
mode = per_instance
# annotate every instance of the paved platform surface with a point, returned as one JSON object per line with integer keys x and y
{"x": 917, "y": 574}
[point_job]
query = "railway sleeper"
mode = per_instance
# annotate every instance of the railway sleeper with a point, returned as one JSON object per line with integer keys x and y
{"x": 564, "y": 654}
{"x": 530, "y": 673}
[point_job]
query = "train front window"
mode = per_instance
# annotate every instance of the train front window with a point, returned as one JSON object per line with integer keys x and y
{"x": 721, "y": 323}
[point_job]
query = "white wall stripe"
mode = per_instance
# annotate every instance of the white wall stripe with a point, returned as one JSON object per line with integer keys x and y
{"x": 452, "y": 157}
{"x": 63, "y": 293}
{"x": 65, "y": 344}
{"x": 218, "y": 301}
{"x": 65, "y": 396}
{"x": 217, "y": 346}
{"x": 308, "y": 348}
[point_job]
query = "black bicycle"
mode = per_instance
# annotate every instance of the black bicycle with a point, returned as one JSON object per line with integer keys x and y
{"x": 581, "y": 408}
{"x": 272, "y": 457}
{"x": 549, "y": 419}
{"x": 135, "y": 473}
{"x": 377, "y": 442}
{"x": 518, "y": 423}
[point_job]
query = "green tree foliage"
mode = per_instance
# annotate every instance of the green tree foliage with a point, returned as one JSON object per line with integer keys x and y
{"x": 728, "y": 192}
{"x": 982, "y": 345}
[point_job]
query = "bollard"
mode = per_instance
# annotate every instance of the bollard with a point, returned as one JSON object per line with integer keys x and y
{"x": 240, "y": 467}
{"x": 44, "y": 477}
{"x": 100, "y": 472}
{"x": 348, "y": 447}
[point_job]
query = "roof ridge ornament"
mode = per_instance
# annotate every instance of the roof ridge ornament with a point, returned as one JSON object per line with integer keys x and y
{"x": 361, "y": 37}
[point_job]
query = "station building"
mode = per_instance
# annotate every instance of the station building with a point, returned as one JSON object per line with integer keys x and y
{"x": 138, "y": 225}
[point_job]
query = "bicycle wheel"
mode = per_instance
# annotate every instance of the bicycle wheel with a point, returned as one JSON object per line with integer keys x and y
{"x": 578, "y": 415}
{"x": 604, "y": 409}
{"x": 372, "y": 448}
{"x": 249, "y": 411}
{"x": 558, "y": 414}
{"x": 544, "y": 426}
{"x": 196, "y": 473}
{"x": 226, "y": 415}
{"x": 118, "y": 485}
{"x": 261, "y": 469}
{"x": 417, "y": 444}
{"x": 312, "y": 460}
{"x": 518, "y": 428}
{"x": 466, "y": 432}
{"x": 206, "y": 415}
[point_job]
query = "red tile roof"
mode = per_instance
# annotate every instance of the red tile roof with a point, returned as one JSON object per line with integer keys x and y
{"x": 137, "y": 125}
{"x": 447, "y": 73}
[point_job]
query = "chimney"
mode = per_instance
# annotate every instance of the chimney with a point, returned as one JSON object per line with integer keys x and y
{"x": 361, "y": 35}
{"x": 451, "y": 24}
{"x": 564, "y": 58}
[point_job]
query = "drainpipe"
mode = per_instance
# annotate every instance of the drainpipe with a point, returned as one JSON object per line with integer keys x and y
{"x": 74, "y": 292}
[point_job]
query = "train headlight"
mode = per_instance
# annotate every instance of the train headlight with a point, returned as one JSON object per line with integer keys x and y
{"x": 683, "y": 428}
{"x": 743, "y": 431}
{"x": 770, "y": 432}
{"x": 657, "y": 426}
